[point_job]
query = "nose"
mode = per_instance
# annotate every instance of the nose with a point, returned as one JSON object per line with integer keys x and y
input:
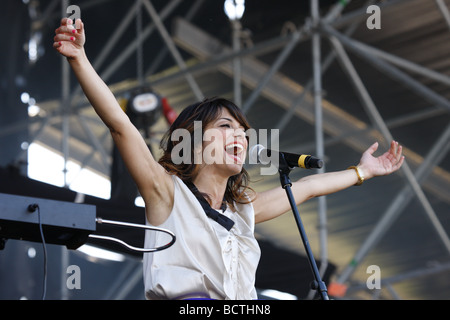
{"x": 239, "y": 133}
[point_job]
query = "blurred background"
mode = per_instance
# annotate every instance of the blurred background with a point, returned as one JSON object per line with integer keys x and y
{"x": 326, "y": 78}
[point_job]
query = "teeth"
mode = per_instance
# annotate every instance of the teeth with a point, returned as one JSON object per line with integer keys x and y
{"x": 231, "y": 147}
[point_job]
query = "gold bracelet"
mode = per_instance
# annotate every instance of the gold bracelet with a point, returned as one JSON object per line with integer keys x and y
{"x": 360, "y": 175}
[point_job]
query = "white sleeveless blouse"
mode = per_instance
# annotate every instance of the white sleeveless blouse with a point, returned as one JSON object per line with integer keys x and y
{"x": 206, "y": 260}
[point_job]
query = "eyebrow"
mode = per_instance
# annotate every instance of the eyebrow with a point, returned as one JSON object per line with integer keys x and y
{"x": 231, "y": 120}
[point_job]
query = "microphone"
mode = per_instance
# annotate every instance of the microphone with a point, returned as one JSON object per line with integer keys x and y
{"x": 304, "y": 161}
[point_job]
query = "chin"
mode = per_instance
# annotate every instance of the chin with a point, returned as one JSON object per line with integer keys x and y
{"x": 232, "y": 169}
{"x": 237, "y": 168}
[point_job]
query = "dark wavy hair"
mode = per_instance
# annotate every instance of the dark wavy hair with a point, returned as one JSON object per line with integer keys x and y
{"x": 206, "y": 111}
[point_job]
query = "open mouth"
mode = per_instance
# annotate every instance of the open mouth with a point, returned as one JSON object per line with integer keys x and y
{"x": 234, "y": 151}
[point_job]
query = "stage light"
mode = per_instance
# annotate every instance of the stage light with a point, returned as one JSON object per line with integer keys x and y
{"x": 24, "y": 97}
{"x": 33, "y": 110}
{"x": 234, "y": 9}
{"x": 145, "y": 102}
{"x": 144, "y": 107}
{"x": 35, "y": 48}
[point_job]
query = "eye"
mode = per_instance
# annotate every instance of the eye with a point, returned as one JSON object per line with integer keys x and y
{"x": 226, "y": 125}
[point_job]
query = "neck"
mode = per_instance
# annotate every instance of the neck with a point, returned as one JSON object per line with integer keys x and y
{"x": 213, "y": 185}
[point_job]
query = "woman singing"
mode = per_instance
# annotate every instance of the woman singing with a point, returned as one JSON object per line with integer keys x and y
{"x": 205, "y": 201}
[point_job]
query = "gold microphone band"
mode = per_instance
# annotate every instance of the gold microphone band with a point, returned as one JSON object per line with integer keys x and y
{"x": 359, "y": 174}
{"x": 301, "y": 161}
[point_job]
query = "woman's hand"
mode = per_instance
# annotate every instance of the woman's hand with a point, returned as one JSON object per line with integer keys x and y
{"x": 69, "y": 39}
{"x": 385, "y": 164}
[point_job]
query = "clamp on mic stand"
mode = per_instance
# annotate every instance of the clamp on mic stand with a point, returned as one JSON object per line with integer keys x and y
{"x": 286, "y": 184}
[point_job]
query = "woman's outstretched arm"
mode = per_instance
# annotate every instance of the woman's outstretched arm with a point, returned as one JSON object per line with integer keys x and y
{"x": 272, "y": 203}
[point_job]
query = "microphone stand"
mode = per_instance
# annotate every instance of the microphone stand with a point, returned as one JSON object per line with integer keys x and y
{"x": 286, "y": 184}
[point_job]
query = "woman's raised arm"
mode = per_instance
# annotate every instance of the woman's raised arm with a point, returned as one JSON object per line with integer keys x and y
{"x": 154, "y": 184}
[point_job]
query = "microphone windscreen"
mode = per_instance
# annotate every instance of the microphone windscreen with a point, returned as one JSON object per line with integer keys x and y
{"x": 254, "y": 153}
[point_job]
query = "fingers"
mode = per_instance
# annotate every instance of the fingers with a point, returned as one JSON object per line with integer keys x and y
{"x": 79, "y": 25}
{"x": 394, "y": 147}
{"x": 396, "y": 150}
{"x": 64, "y": 21}
{"x": 64, "y": 36}
{"x": 372, "y": 148}
{"x": 397, "y": 157}
{"x": 68, "y": 22}
{"x": 69, "y": 32}
{"x": 68, "y": 27}
{"x": 399, "y": 151}
{"x": 400, "y": 156}
{"x": 399, "y": 163}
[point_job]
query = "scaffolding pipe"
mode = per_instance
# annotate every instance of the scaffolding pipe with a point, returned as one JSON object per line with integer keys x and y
{"x": 378, "y": 121}
{"x": 65, "y": 113}
{"x": 236, "y": 30}
{"x": 360, "y": 14}
{"x": 65, "y": 108}
{"x": 435, "y": 155}
{"x": 172, "y": 48}
{"x": 372, "y": 111}
{"x": 414, "y": 274}
{"x": 389, "y": 69}
{"x": 393, "y": 59}
{"x": 163, "y": 52}
{"x": 284, "y": 54}
{"x": 318, "y": 117}
{"x": 256, "y": 50}
{"x": 444, "y": 10}
{"x": 334, "y": 12}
